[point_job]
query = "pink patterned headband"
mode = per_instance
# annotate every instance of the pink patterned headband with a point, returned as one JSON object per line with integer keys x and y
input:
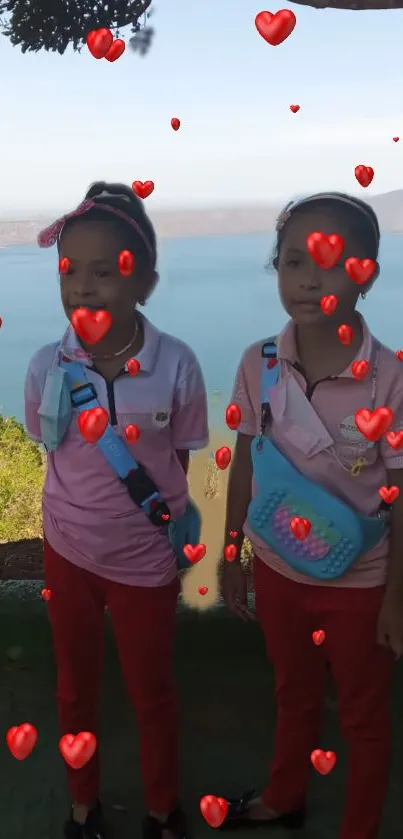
{"x": 50, "y": 235}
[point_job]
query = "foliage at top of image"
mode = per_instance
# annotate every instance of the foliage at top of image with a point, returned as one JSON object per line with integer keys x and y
{"x": 22, "y": 470}
{"x": 52, "y": 25}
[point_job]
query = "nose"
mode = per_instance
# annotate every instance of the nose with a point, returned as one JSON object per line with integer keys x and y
{"x": 313, "y": 277}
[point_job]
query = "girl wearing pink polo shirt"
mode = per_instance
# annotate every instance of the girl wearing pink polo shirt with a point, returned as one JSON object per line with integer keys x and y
{"x": 308, "y": 419}
{"x": 100, "y": 549}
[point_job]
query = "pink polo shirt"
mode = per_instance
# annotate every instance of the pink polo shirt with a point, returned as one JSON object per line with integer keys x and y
{"x": 320, "y": 438}
{"x": 88, "y": 516}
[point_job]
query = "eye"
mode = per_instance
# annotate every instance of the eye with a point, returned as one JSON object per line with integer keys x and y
{"x": 294, "y": 263}
{"x": 103, "y": 272}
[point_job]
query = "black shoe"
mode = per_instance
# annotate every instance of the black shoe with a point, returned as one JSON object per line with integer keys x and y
{"x": 176, "y": 823}
{"x": 94, "y": 827}
{"x": 238, "y": 816}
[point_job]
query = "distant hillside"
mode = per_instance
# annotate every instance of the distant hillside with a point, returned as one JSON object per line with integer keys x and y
{"x": 218, "y": 222}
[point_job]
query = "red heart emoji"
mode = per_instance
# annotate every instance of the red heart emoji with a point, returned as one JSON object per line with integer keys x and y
{"x": 345, "y": 334}
{"x": 300, "y": 527}
{"x": 373, "y": 424}
{"x": 78, "y": 749}
{"x": 133, "y": 366}
{"x": 64, "y": 265}
{"x": 364, "y": 174}
{"x": 360, "y": 369}
{"x": 202, "y": 590}
{"x": 271, "y": 363}
{"x": 399, "y": 355}
{"x": 325, "y": 250}
{"x": 176, "y": 123}
{"x": 90, "y": 326}
{"x": 132, "y": 433}
{"x": 230, "y": 552}
{"x": 92, "y": 424}
{"x": 233, "y": 416}
{"x": 328, "y": 304}
{"x": 165, "y": 516}
{"x": 21, "y": 740}
{"x": 126, "y": 263}
{"x": 318, "y": 637}
{"x": 143, "y": 188}
{"x": 323, "y": 761}
{"x": 389, "y": 494}
{"x": 214, "y": 810}
{"x": 294, "y": 108}
{"x": 395, "y": 439}
{"x": 194, "y": 553}
{"x": 115, "y": 50}
{"x": 395, "y": 139}
{"x": 360, "y": 270}
{"x": 99, "y": 42}
{"x": 233, "y": 534}
{"x": 275, "y": 28}
{"x": 223, "y": 457}
{"x": 46, "y": 594}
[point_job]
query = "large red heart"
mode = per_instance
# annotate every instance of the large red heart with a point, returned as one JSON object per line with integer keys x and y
{"x": 360, "y": 369}
{"x": 90, "y": 326}
{"x": 300, "y": 527}
{"x": 194, "y": 553}
{"x": 92, "y": 424}
{"x": 360, "y": 270}
{"x": 295, "y": 108}
{"x": 374, "y": 424}
{"x": 395, "y": 439}
{"x": 143, "y": 188}
{"x": 99, "y": 42}
{"x": 389, "y": 494}
{"x": 230, "y": 552}
{"x": 323, "y": 761}
{"x": 115, "y": 50}
{"x": 275, "y": 28}
{"x": 78, "y": 749}
{"x": 214, "y": 810}
{"x": 233, "y": 416}
{"x": 21, "y": 740}
{"x": 223, "y": 457}
{"x": 318, "y": 637}
{"x": 328, "y": 303}
{"x": 325, "y": 250}
{"x": 364, "y": 174}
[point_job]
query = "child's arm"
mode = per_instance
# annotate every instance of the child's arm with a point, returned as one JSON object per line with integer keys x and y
{"x": 239, "y": 492}
{"x": 189, "y": 423}
{"x": 32, "y": 401}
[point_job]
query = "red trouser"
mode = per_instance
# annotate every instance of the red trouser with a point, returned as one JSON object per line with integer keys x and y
{"x": 289, "y": 612}
{"x": 143, "y": 621}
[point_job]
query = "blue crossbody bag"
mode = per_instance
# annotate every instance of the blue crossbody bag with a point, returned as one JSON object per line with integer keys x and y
{"x": 141, "y": 488}
{"x": 338, "y": 535}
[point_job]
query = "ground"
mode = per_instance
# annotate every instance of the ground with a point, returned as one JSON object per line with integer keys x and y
{"x": 227, "y": 701}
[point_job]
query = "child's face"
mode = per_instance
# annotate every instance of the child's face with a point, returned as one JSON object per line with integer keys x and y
{"x": 302, "y": 283}
{"x": 94, "y": 281}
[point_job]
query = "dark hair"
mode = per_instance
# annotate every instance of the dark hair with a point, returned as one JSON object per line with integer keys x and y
{"x": 122, "y": 197}
{"x": 361, "y": 219}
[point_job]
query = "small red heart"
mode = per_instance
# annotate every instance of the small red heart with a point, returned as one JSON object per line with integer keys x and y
{"x": 399, "y": 355}
{"x": 77, "y": 750}
{"x": 115, "y": 50}
{"x": 294, "y": 108}
{"x": 133, "y": 366}
{"x": 389, "y": 494}
{"x": 233, "y": 534}
{"x": 328, "y": 304}
{"x": 395, "y": 439}
{"x": 99, "y": 42}
{"x": 360, "y": 369}
{"x": 395, "y": 139}
{"x": 21, "y": 740}
{"x": 64, "y": 265}
{"x": 165, "y": 516}
{"x": 143, "y": 188}
{"x": 90, "y": 326}
{"x": 126, "y": 263}
{"x": 300, "y": 527}
{"x": 176, "y": 123}
{"x": 202, "y": 590}
{"x": 230, "y": 552}
{"x": 132, "y": 433}
{"x": 214, "y": 810}
{"x": 364, "y": 174}
{"x": 233, "y": 416}
{"x": 275, "y": 28}
{"x": 360, "y": 270}
{"x": 223, "y": 457}
{"x": 345, "y": 334}
{"x": 373, "y": 424}
{"x": 271, "y": 363}
{"x": 1, "y": 322}
{"x": 323, "y": 761}
{"x": 318, "y": 637}
{"x": 325, "y": 250}
{"x": 46, "y": 594}
{"x": 92, "y": 424}
{"x": 194, "y": 553}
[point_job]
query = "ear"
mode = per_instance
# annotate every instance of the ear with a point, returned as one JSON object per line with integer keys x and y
{"x": 149, "y": 286}
{"x": 367, "y": 287}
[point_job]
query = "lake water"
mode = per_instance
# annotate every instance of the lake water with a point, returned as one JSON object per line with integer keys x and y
{"x": 214, "y": 293}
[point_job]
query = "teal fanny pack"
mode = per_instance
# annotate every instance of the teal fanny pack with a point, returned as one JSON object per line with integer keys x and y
{"x": 338, "y": 534}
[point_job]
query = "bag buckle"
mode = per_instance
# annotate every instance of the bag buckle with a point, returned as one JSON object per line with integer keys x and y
{"x": 83, "y": 394}
{"x": 144, "y": 493}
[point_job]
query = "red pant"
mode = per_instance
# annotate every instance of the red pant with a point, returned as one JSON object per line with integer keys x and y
{"x": 143, "y": 621}
{"x": 289, "y": 612}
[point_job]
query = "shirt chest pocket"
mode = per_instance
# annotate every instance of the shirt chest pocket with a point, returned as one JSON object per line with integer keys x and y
{"x": 153, "y": 421}
{"x": 356, "y": 456}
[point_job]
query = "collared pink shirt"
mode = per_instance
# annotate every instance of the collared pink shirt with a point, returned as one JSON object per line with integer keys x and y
{"x": 88, "y": 516}
{"x": 320, "y": 438}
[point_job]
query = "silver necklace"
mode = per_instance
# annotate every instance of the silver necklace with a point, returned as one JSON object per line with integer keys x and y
{"x": 120, "y": 352}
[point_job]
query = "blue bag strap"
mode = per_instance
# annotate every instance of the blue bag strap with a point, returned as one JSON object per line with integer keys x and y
{"x": 269, "y": 378}
{"x": 141, "y": 488}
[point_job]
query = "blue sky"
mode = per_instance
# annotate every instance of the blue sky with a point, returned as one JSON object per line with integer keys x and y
{"x": 69, "y": 120}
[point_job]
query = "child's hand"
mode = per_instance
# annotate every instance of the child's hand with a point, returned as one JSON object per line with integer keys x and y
{"x": 235, "y": 590}
{"x": 390, "y": 623}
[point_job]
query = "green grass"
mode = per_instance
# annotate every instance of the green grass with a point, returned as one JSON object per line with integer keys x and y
{"x": 226, "y": 694}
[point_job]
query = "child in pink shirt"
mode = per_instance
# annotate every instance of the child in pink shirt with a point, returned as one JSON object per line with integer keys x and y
{"x": 100, "y": 549}
{"x": 324, "y": 379}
